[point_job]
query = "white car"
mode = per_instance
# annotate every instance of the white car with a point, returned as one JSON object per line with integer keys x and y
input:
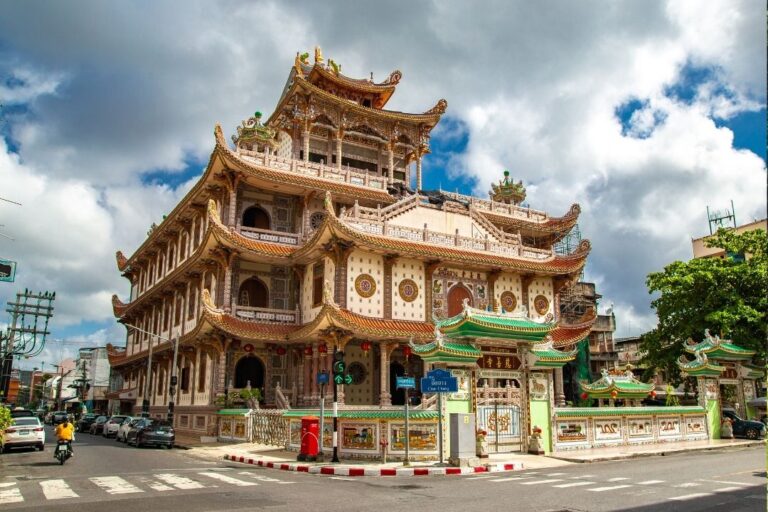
{"x": 27, "y": 431}
{"x": 125, "y": 426}
{"x": 111, "y": 426}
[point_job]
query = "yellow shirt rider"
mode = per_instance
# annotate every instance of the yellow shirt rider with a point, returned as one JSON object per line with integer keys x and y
{"x": 64, "y": 432}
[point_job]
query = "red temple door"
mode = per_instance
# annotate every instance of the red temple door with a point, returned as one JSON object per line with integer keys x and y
{"x": 456, "y": 297}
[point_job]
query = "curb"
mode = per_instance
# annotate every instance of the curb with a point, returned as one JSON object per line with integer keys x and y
{"x": 352, "y": 471}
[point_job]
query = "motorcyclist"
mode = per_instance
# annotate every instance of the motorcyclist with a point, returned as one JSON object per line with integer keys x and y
{"x": 65, "y": 432}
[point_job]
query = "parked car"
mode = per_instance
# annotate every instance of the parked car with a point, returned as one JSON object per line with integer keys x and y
{"x": 59, "y": 417}
{"x": 84, "y": 423}
{"x": 125, "y": 426}
{"x": 151, "y": 432}
{"x": 41, "y": 414}
{"x": 97, "y": 426}
{"x": 744, "y": 428}
{"x": 24, "y": 431}
{"x": 111, "y": 426}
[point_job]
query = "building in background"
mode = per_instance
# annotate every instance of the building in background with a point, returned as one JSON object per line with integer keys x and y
{"x": 92, "y": 378}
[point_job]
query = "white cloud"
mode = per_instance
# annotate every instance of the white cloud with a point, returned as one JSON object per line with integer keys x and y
{"x": 130, "y": 89}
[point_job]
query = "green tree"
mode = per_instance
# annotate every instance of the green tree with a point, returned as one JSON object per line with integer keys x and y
{"x": 5, "y": 421}
{"x": 727, "y": 295}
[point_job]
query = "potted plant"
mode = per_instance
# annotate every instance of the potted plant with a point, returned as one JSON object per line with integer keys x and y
{"x": 252, "y": 397}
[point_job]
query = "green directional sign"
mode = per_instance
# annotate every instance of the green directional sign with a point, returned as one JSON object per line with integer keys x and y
{"x": 338, "y": 378}
{"x": 339, "y": 367}
{"x": 347, "y": 379}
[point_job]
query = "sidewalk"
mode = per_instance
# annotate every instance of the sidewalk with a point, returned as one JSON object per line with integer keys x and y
{"x": 276, "y": 458}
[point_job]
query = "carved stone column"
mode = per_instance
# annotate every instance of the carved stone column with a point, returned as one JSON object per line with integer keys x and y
{"x": 493, "y": 276}
{"x": 385, "y": 349}
{"x": 305, "y": 140}
{"x": 429, "y": 269}
{"x": 391, "y": 163}
{"x": 313, "y": 375}
{"x": 559, "y": 392}
{"x": 339, "y": 138}
{"x": 525, "y": 282}
{"x": 418, "y": 172}
{"x": 308, "y": 380}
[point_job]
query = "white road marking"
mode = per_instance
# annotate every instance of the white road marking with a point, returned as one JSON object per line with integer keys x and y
{"x": 618, "y": 479}
{"x": 57, "y": 490}
{"x": 115, "y": 485}
{"x": 611, "y": 488}
{"x": 582, "y": 476}
{"x": 262, "y": 478}
{"x": 554, "y": 474}
{"x": 11, "y": 496}
{"x": 227, "y": 479}
{"x": 510, "y": 479}
{"x": 157, "y": 486}
{"x": 573, "y": 484}
{"x": 651, "y": 482}
{"x": 478, "y": 477}
{"x": 7, "y": 484}
{"x": 727, "y": 482}
{"x": 179, "y": 482}
{"x": 537, "y": 482}
{"x": 687, "y": 484}
{"x": 691, "y": 496}
{"x": 728, "y": 489}
{"x": 342, "y": 478}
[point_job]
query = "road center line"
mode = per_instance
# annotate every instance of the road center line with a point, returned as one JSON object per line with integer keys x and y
{"x": 537, "y": 482}
{"x": 618, "y": 479}
{"x": 651, "y": 482}
{"x": 573, "y": 484}
{"x": 57, "y": 489}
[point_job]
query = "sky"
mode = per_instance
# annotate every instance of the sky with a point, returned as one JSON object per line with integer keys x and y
{"x": 644, "y": 112}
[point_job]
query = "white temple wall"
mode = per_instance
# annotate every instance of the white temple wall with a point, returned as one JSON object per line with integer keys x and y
{"x": 402, "y": 269}
{"x": 508, "y": 282}
{"x": 441, "y": 221}
{"x": 540, "y": 286}
{"x": 362, "y": 393}
{"x": 361, "y": 262}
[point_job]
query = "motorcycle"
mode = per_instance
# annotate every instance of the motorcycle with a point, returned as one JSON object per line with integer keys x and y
{"x": 62, "y": 451}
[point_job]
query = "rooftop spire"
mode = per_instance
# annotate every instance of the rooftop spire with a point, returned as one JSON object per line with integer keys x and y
{"x": 507, "y": 191}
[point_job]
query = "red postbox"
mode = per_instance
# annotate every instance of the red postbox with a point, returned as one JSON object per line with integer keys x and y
{"x": 310, "y": 438}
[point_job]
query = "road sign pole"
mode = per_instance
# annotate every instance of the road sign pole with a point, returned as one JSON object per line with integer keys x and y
{"x": 322, "y": 416}
{"x": 440, "y": 425}
{"x": 335, "y": 415}
{"x": 407, "y": 461}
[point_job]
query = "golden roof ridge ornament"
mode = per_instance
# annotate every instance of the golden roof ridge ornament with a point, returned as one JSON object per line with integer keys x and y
{"x": 507, "y": 191}
{"x": 318, "y": 55}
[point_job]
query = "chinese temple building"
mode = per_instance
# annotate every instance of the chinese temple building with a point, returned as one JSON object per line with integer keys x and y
{"x": 312, "y": 233}
{"x": 618, "y": 385}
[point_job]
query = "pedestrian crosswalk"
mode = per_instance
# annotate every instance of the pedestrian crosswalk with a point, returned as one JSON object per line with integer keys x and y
{"x": 113, "y": 485}
{"x": 593, "y": 484}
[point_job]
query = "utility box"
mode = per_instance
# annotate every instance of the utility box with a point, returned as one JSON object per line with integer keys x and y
{"x": 462, "y": 449}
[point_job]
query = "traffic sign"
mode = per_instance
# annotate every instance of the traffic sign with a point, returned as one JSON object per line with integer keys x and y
{"x": 439, "y": 381}
{"x": 406, "y": 382}
{"x": 339, "y": 367}
{"x": 322, "y": 377}
{"x": 347, "y": 379}
{"x": 338, "y": 378}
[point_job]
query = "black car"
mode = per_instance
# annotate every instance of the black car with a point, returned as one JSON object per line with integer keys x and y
{"x": 20, "y": 412}
{"x": 744, "y": 428}
{"x": 151, "y": 432}
{"x": 98, "y": 425}
{"x": 84, "y": 423}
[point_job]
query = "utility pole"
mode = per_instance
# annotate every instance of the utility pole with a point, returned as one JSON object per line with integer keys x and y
{"x": 25, "y": 336}
{"x": 174, "y": 381}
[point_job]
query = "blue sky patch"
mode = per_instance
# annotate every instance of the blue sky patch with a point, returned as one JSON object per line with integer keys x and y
{"x": 192, "y": 168}
{"x": 449, "y": 141}
{"x": 749, "y": 131}
{"x": 633, "y": 116}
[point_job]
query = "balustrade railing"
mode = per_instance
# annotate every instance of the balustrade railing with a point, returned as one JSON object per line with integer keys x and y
{"x": 344, "y": 174}
{"x": 501, "y": 208}
{"x": 269, "y": 427}
{"x": 267, "y": 235}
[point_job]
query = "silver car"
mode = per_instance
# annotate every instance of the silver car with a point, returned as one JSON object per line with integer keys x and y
{"x": 112, "y": 424}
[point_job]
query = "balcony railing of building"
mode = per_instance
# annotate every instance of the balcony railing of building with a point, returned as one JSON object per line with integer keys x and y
{"x": 267, "y": 235}
{"x": 267, "y": 315}
{"x": 486, "y": 205}
{"x": 344, "y": 174}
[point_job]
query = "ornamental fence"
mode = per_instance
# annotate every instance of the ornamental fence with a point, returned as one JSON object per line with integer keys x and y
{"x": 269, "y": 427}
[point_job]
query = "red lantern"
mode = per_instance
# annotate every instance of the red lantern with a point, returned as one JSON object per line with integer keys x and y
{"x": 323, "y": 349}
{"x": 614, "y": 394}
{"x": 281, "y": 351}
{"x": 308, "y": 350}
{"x": 407, "y": 351}
{"x": 584, "y": 396}
{"x": 366, "y": 346}
{"x": 653, "y": 394}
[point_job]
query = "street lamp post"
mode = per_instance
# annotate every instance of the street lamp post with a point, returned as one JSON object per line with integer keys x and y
{"x": 171, "y": 402}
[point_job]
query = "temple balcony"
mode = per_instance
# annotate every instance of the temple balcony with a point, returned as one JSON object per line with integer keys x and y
{"x": 509, "y": 210}
{"x": 268, "y": 235}
{"x": 344, "y": 174}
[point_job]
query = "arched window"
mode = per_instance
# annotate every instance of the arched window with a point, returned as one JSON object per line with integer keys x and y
{"x": 249, "y": 370}
{"x": 253, "y": 293}
{"x": 256, "y": 217}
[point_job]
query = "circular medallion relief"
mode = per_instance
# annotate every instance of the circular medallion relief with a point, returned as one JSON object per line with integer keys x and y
{"x": 541, "y": 304}
{"x": 408, "y": 289}
{"x": 316, "y": 219}
{"x": 357, "y": 371}
{"x": 365, "y": 286}
{"x": 508, "y": 301}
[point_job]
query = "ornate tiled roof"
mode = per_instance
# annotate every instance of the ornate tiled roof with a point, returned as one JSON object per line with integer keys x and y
{"x": 439, "y": 350}
{"x": 477, "y": 323}
{"x": 355, "y": 414}
{"x": 547, "y": 356}
{"x": 617, "y": 385}
{"x": 716, "y": 348}
{"x": 700, "y": 366}
{"x": 569, "y": 334}
{"x": 231, "y": 238}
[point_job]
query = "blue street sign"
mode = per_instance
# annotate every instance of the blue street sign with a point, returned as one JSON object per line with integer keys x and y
{"x": 406, "y": 382}
{"x": 439, "y": 381}
{"x": 7, "y": 270}
{"x": 322, "y": 378}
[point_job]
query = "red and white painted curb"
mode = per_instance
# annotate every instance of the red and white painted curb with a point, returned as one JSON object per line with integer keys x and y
{"x": 353, "y": 471}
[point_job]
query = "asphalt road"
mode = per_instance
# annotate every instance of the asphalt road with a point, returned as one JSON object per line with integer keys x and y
{"x": 106, "y": 475}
